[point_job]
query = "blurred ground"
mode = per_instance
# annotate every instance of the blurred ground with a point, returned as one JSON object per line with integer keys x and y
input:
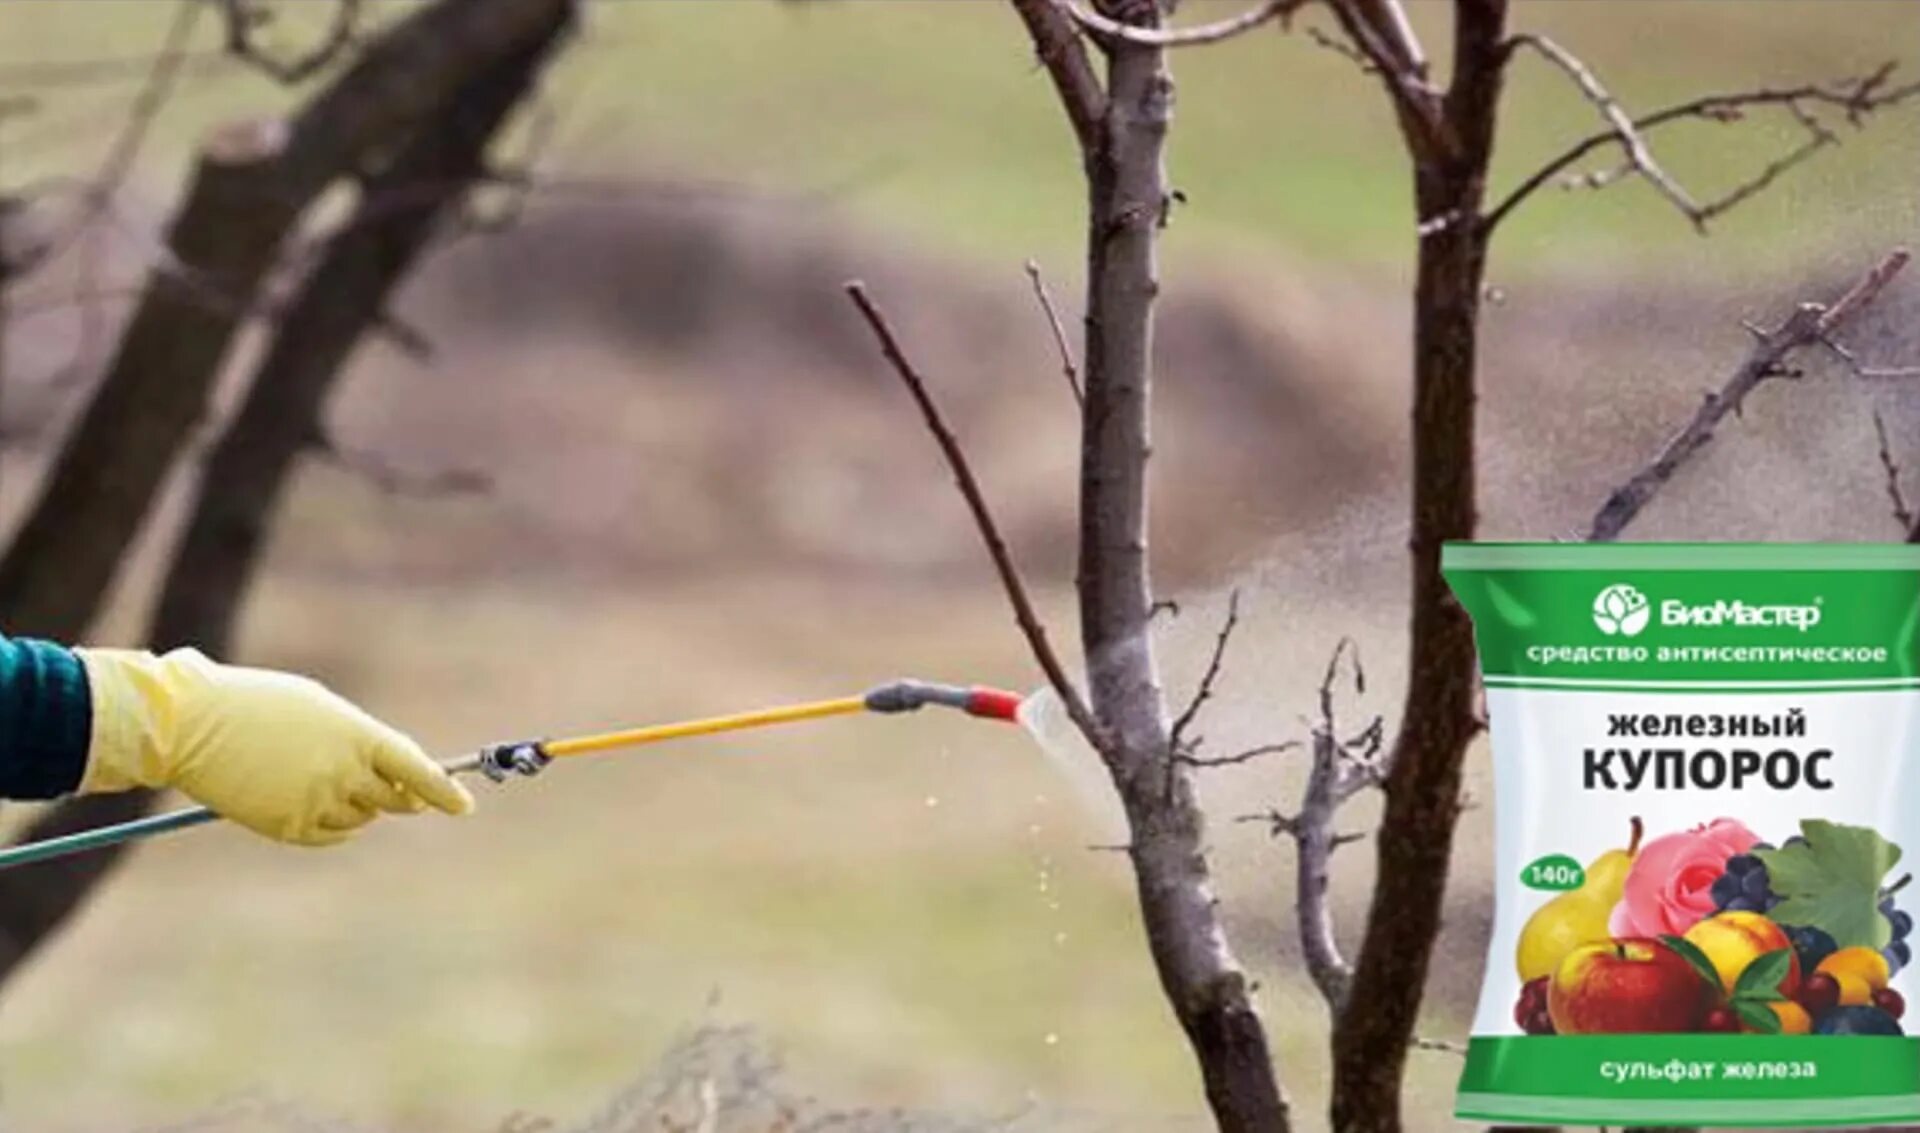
{"x": 709, "y": 495}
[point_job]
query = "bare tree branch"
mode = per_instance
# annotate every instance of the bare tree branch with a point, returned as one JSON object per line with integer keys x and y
{"x": 97, "y": 197}
{"x": 1809, "y": 325}
{"x": 1902, "y": 514}
{"x": 253, "y": 184}
{"x": 394, "y": 480}
{"x": 1064, "y": 55}
{"x": 342, "y": 301}
{"x": 1382, "y": 37}
{"x": 1855, "y": 99}
{"x": 148, "y": 103}
{"x": 1237, "y": 758}
{"x": 1067, "y": 366}
{"x": 1818, "y": 138}
{"x": 1346, "y": 51}
{"x": 1862, "y": 370}
{"x": 244, "y": 18}
{"x": 956, "y": 458}
{"x": 1377, "y": 1020}
{"x": 1340, "y": 769}
{"x": 1178, "y": 742}
{"x": 1639, "y": 157}
{"x": 1265, "y": 12}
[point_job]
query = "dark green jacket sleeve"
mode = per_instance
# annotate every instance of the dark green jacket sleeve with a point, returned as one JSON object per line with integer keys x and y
{"x": 46, "y": 719}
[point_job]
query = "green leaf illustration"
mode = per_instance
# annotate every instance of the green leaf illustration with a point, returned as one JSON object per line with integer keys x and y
{"x": 1757, "y": 1016}
{"x": 1690, "y": 952}
{"x": 1760, "y": 981}
{"x": 1832, "y": 882}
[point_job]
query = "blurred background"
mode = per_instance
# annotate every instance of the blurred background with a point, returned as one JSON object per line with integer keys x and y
{"x": 702, "y": 492}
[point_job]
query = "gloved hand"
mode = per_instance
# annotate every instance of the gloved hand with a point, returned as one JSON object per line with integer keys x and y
{"x": 277, "y": 753}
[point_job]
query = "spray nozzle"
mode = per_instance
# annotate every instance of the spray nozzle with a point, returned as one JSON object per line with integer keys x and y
{"x": 912, "y": 695}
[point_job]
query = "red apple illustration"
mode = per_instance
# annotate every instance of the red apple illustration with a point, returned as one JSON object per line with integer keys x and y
{"x": 1626, "y": 987}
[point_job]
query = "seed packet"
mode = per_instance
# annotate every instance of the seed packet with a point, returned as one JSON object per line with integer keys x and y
{"x": 1707, "y": 797}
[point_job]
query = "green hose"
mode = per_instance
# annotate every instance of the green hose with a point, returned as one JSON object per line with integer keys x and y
{"x": 102, "y": 837}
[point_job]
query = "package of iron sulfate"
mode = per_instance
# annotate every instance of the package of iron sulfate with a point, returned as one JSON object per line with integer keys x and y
{"x": 1706, "y": 767}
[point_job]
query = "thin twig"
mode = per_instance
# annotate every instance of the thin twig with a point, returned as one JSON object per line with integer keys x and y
{"x": 1265, "y": 12}
{"x": 1237, "y": 758}
{"x": 341, "y": 32}
{"x": 98, "y": 197}
{"x": 1902, "y": 514}
{"x": 147, "y": 104}
{"x": 956, "y": 457}
{"x": 1319, "y": 38}
{"x": 1818, "y": 138}
{"x": 1177, "y": 741}
{"x": 1855, "y": 99}
{"x": 393, "y": 480}
{"x": 1810, "y": 324}
{"x": 1060, "y": 343}
{"x": 1862, "y": 370}
{"x": 1062, "y": 51}
{"x": 1639, "y": 157}
{"x": 1386, "y": 41}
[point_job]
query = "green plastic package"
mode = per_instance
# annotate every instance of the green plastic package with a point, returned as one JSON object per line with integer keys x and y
{"x": 1706, "y": 768}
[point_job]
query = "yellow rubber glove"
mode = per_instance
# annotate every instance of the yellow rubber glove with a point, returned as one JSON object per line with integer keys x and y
{"x": 277, "y": 753}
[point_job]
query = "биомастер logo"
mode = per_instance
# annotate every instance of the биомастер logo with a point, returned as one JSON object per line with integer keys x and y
{"x": 1623, "y": 610}
{"x": 1620, "y": 609}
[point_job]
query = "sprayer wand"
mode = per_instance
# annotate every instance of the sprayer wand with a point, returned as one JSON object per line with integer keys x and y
{"x": 500, "y": 762}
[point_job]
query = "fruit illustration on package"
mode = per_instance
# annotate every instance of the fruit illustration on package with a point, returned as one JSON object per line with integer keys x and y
{"x": 1530, "y": 1013}
{"x": 1578, "y": 916}
{"x": 1857, "y": 1021}
{"x": 1791, "y": 1018}
{"x": 1626, "y": 987}
{"x": 1731, "y": 942}
{"x": 1858, "y": 973}
{"x": 1711, "y": 930}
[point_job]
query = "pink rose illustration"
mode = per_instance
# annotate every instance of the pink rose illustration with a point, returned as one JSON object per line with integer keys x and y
{"x": 1667, "y": 886}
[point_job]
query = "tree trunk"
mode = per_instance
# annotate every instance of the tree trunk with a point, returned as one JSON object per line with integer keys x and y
{"x": 245, "y": 475}
{"x": 63, "y": 562}
{"x": 1415, "y": 840}
{"x": 254, "y": 182}
{"x": 1437, "y": 721}
{"x": 1198, "y": 971}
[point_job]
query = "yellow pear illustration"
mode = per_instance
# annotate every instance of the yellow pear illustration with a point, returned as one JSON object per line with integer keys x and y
{"x": 1578, "y": 916}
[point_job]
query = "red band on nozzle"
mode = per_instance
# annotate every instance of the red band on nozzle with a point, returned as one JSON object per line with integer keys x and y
{"x": 994, "y": 703}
